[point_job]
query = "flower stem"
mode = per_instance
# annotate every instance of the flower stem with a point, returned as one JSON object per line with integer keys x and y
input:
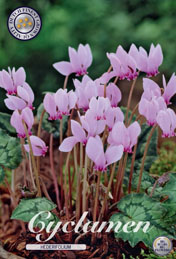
{"x": 54, "y": 173}
{"x": 33, "y": 160}
{"x": 23, "y": 162}
{"x": 107, "y": 193}
{"x": 122, "y": 176}
{"x": 61, "y": 161}
{"x": 96, "y": 202}
{"x": 65, "y": 185}
{"x": 85, "y": 184}
{"x": 78, "y": 186}
{"x": 144, "y": 157}
{"x": 132, "y": 164}
{"x": 133, "y": 113}
{"x": 129, "y": 99}
{"x": 65, "y": 82}
{"x": 40, "y": 123}
{"x": 118, "y": 177}
{"x": 96, "y": 196}
{"x": 38, "y": 134}
{"x": 31, "y": 173}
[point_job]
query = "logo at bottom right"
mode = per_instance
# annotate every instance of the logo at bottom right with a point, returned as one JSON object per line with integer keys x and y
{"x": 162, "y": 246}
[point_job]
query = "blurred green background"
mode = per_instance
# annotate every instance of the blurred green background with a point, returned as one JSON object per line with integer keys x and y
{"x": 104, "y": 24}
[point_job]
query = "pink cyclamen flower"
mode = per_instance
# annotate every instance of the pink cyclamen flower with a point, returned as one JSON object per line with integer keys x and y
{"x": 167, "y": 121}
{"x": 126, "y": 136}
{"x": 124, "y": 65}
{"x": 113, "y": 93}
{"x": 11, "y": 79}
{"x": 150, "y": 109}
{"x": 50, "y": 106}
{"x": 39, "y": 147}
{"x": 151, "y": 89}
{"x": 17, "y": 121}
{"x": 79, "y": 61}
{"x": 112, "y": 116}
{"x": 79, "y": 135}
{"x": 92, "y": 126}
{"x": 98, "y": 107}
{"x": 24, "y": 99}
{"x": 147, "y": 63}
{"x": 95, "y": 152}
{"x": 65, "y": 101}
{"x": 169, "y": 89}
{"x": 85, "y": 90}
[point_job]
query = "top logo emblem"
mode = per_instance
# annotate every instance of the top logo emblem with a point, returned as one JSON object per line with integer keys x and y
{"x": 24, "y": 23}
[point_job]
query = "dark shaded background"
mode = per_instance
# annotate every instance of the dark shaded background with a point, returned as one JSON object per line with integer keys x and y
{"x": 103, "y": 24}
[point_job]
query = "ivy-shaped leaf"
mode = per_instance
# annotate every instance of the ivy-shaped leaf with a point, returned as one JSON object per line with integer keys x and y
{"x": 28, "y": 208}
{"x": 137, "y": 208}
{"x": 5, "y": 124}
{"x": 51, "y": 127}
{"x": 10, "y": 151}
{"x": 169, "y": 192}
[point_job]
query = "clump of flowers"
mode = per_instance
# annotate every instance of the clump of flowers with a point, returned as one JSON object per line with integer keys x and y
{"x": 100, "y": 136}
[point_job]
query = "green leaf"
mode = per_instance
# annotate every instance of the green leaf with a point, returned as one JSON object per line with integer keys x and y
{"x": 170, "y": 188}
{"x": 52, "y": 127}
{"x": 5, "y": 123}
{"x": 28, "y": 208}
{"x": 140, "y": 207}
{"x": 10, "y": 151}
{"x": 2, "y": 174}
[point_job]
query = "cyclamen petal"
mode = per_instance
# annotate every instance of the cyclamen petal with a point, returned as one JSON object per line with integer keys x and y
{"x": 65, "y": 101}
{"x": 19, "y": 76}
{"x": 68, "y": 144}
{"x": 39, "y": 147}
{"x": 63, "y": 67}
{"x": 113, "y": 154}
{"x": 28, "y": 117}
{"x": 79, "y": 61}
{"x": 14, "y": 102}
{"x": 12, "y": 79}
{"x": 6, "y": 82}
{"x": 50, "y": 106}
{"x": 125, "y": 136}
{"x": 94, "y": 150}
{"x": 114, "y": 94}
{"x": 17, "y": 121}
{"x": 78, "y": 131}
{"x": 166, "y": 119}
{"x": 169, "y": 89}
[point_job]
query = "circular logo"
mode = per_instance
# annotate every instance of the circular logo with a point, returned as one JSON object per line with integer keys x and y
{"x": 24, "y": 23}
{"x": 162, "y": 246}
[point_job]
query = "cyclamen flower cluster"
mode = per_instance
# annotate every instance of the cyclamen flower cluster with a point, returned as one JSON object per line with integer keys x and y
{"x": 99, "y": 117}
{"x": 20, "y": 99}
{"x": 102, "y": 113}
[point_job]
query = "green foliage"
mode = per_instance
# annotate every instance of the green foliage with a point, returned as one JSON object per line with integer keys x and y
{"x": 2, "y": 174}
{"x": 5, "y": 124}
{"x": 10, "y": 151}
{"x": 140, "y": 207}
{"x": 28, "y": 208}
{"x": 52, "y": 127}
{"x": 154, "y": 256}
{"x": 166, "y": 159}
